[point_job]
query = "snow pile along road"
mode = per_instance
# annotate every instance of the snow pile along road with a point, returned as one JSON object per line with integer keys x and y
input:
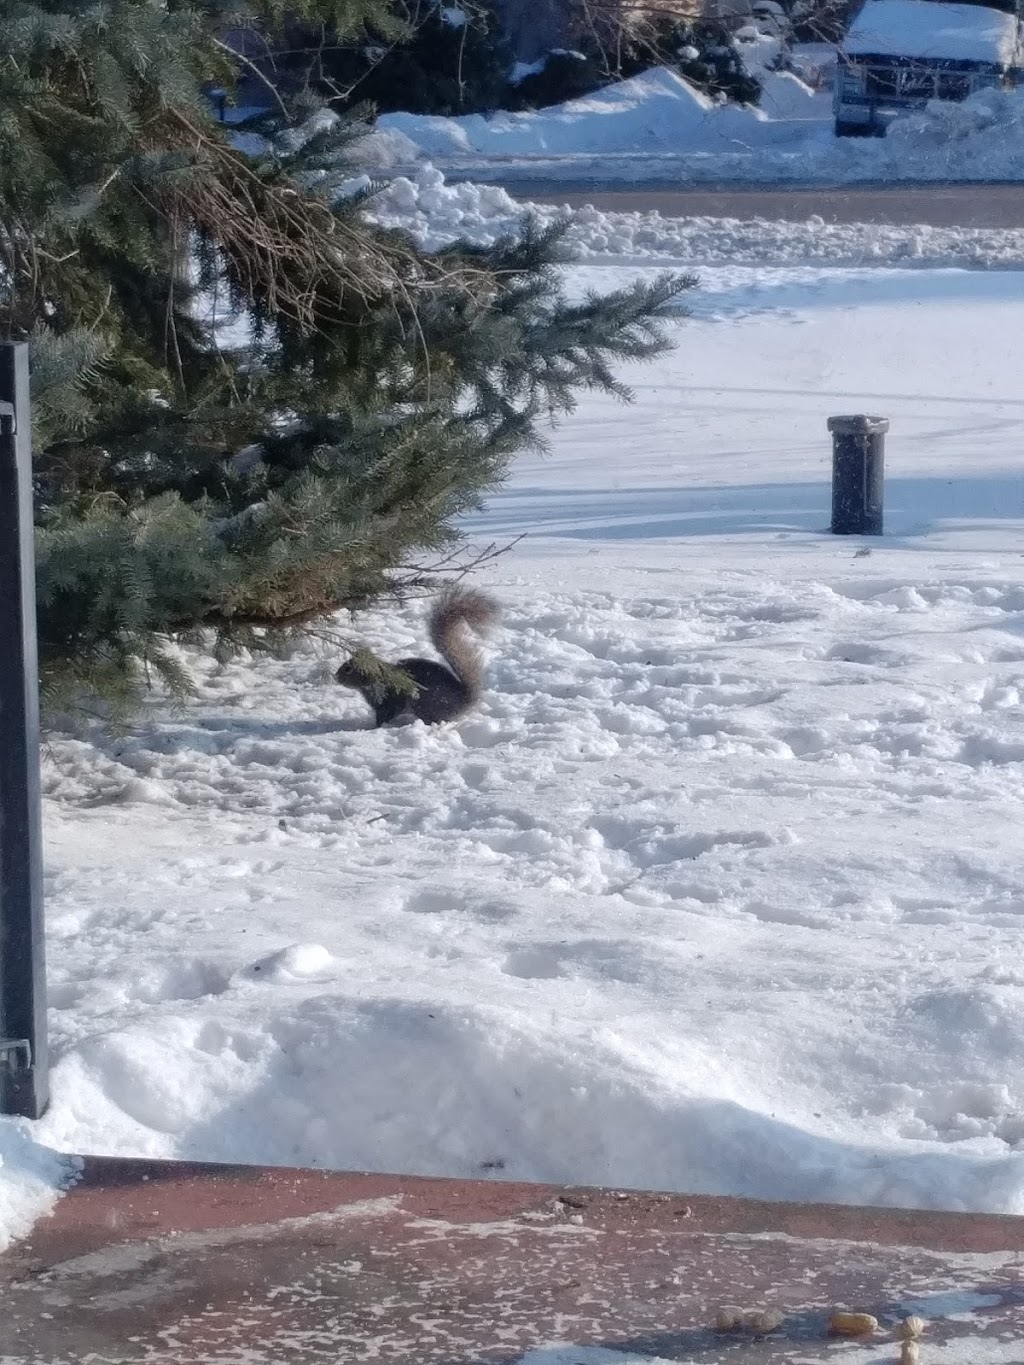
{"x": 657, "y": 111}
{"x": 31, "y": 1178}
{"x": 438, "y": 213}
{"x": 658, "y": 128}
{"x": 982, "y": 138}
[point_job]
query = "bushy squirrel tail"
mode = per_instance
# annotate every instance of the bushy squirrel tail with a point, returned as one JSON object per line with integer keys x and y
{"x": 455, "y": 608}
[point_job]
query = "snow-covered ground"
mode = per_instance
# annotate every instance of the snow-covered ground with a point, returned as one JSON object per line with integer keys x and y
{"x": 721, "y": 888}
{"x": 657, "y": 128}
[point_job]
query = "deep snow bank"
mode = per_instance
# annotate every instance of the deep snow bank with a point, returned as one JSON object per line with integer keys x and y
{"x": 438, "y": 213}
{"x": 657, "y": 128}
{"x": 31, "y": 1179}
{"x": 982, "y": 138}
{"x": 657, "y": 111}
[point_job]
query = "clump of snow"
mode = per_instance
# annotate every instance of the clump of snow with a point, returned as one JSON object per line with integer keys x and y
{"x": 438, "y": 213}
{"x": 355, "y": 185}
{"x": 982, "y": 135}
{"x": 301, "y": 961}
{"x": 943, "y": 123}
{"x": 521, "y": 70}
{"x": 922, "y": 29}
{"x": 31, "y": 1179}
{"x": 385, "y": 148}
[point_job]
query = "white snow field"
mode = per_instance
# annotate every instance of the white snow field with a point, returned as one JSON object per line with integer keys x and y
{"x": 720, "y": 890}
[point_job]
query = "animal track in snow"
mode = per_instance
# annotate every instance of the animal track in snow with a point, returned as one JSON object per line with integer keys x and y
{"x": 217, "y": 1040}
{"x": 482, "y": 910}
{"x": 484, "y": 733}
{"x": 855, "y": 652}
{"x": 597, "y": 958}
{"x": 429, "y": 902}
{"x": 649, "y": 845}
{"x": 999, "y": 696}
{"x": 188, "y": 979}
{"x": 783, "y": 914}
{"x": 914, "y": 910}
{"x": 64, "y": 995}
{"x": 998, "y": 750}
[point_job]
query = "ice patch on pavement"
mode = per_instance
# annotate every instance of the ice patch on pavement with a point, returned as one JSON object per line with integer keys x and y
{"x": 302, "y": 961}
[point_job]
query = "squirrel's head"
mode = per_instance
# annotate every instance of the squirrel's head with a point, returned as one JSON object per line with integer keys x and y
{"x": 350, "y": 674}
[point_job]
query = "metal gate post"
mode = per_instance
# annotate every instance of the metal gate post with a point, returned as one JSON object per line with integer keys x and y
{"x": 23, "y": 1054}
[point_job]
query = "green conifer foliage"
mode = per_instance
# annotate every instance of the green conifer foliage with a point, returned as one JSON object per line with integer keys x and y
{"x": 451, "y": 58}
{"x": 251, "y": 407}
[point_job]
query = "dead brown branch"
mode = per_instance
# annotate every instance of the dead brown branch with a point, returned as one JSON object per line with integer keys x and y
{"x": 284, "y": 247}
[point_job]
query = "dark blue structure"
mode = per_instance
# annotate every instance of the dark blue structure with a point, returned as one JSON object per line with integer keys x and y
{"x": 23, "y": 1056}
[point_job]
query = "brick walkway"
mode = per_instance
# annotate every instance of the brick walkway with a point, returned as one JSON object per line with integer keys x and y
{"x": 162, "y": 1263}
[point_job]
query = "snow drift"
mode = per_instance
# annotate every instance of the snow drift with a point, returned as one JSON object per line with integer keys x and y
{"x": 438, "y": 213}
{"x": 657, "y": 111}
{"x": 656, "y": 127}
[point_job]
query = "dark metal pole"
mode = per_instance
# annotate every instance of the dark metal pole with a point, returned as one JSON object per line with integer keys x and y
{"x": 858, "y": 474}
{"x": 23, "y": 1054}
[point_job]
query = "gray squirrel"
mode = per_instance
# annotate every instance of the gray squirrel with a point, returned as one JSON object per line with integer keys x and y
{"x": 437, "y": 692}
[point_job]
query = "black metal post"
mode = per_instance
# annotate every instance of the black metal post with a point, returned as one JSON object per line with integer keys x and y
{"x": 858, "y": 474}
{"x": 23, "y": 1054}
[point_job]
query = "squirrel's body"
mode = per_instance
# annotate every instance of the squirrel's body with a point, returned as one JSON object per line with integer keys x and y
{"x": 441, "y": 691}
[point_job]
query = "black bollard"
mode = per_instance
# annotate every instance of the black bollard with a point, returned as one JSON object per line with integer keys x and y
{"x": 858, "y": 474}
{"x": 23, "y": 1062}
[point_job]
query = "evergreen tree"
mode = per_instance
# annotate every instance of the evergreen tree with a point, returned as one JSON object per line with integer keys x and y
{"x": 560, "y": 76}
{"x": 451, "y": 58}
{"x": 701, "y": 50}
{"x": 251, "y": 407}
